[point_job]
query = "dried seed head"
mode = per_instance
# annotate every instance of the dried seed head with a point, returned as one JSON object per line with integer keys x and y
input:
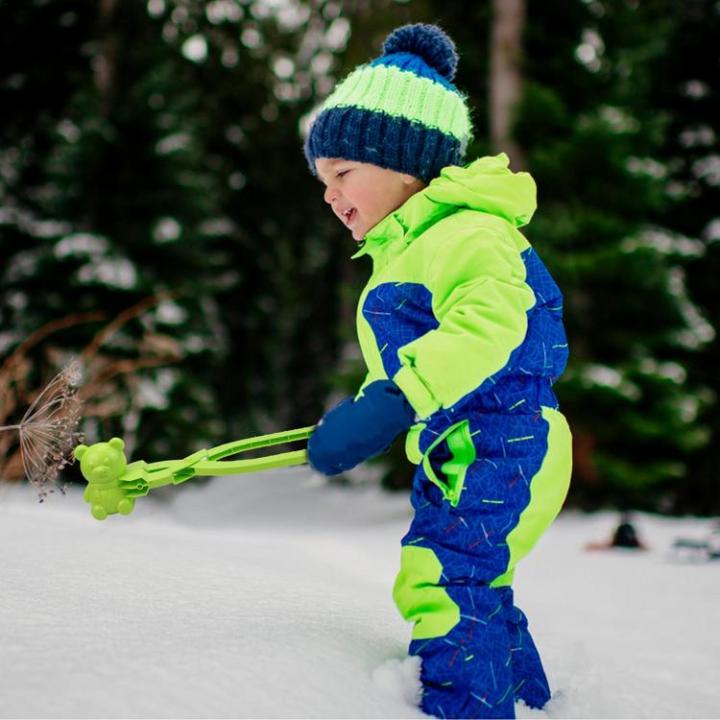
{"x": 49, "y": 429}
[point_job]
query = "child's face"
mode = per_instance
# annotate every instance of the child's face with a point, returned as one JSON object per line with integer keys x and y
{"x": 361, "y": 194}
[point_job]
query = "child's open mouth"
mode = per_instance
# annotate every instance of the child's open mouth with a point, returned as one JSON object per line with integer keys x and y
{"x": 349, "y": 215}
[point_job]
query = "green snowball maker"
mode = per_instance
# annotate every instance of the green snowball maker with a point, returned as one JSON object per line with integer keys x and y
{"x": 113, "y": 484}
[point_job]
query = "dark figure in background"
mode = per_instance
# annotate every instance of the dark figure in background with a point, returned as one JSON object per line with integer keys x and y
{"x": 624, "y": 536}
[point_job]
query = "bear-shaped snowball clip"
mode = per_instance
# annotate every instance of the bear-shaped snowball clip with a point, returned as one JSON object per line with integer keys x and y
{"x": 103, "y": 465}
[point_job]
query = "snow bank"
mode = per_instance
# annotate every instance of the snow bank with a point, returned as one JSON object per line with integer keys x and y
{"x": 269, "y": 596}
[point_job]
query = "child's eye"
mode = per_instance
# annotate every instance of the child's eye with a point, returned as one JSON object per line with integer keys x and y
{"x": 341, "y": 173}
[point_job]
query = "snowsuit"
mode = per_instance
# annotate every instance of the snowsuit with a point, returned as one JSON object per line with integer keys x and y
{"x": 463, "y": 316}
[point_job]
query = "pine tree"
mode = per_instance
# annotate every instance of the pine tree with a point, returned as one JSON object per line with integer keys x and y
{"x": 685, "y": 85}
{"x": 108, "y": 198}
{"x": 169, "y": 157}
{"x": 594, "y": 139}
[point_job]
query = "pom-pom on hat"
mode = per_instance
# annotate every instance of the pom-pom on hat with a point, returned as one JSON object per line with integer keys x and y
{"x": 401, "y": 111}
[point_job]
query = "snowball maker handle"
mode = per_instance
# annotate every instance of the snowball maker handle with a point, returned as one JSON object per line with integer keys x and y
{"x": 113, "y": 484}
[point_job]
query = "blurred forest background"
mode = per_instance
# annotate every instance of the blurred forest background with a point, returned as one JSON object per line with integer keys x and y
{"x": 157, "y": 218}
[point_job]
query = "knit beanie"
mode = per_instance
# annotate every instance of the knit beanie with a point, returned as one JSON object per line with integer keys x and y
{"x": 400, "y": 111}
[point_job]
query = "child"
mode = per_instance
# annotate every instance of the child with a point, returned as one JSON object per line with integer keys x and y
{"x": 461, "y": 328}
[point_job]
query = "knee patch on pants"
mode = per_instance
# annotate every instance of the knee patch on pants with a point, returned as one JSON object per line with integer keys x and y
{"x": 419, "y": 596}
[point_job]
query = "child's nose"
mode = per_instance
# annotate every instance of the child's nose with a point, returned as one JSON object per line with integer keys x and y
{"x": 330, "y": 195}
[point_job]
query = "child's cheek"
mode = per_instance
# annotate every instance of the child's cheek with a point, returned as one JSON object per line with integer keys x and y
{"x": 364, "y": 201}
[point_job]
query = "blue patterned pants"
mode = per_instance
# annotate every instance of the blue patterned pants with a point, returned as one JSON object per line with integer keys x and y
{"x": 458, "y": 562}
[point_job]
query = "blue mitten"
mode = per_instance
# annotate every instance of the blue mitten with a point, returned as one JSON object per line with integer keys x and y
{"x": 356, "y": 430}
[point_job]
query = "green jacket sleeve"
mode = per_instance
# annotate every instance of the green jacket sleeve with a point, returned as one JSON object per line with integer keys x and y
{"x": 481, "y": 299}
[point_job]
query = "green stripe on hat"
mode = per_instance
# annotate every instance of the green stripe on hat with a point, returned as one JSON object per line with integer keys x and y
{"x": 400, "y": 93}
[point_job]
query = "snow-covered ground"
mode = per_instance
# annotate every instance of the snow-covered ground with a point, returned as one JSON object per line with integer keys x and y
{"x": 268, "y": 596}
